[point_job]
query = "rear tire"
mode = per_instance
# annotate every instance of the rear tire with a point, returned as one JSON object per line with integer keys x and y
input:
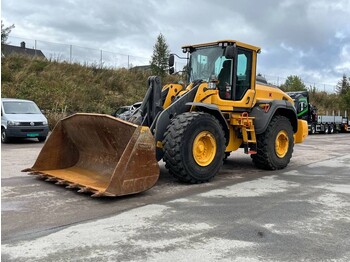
{"x": 194, "y": 147}
{"x": 275, "y": 145}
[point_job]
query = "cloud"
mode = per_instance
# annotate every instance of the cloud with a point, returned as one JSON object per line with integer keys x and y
{"x": 307, "y": 38}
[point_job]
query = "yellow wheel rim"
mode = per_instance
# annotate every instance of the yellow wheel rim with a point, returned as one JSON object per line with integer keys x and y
{"x": 204, "y": 148}
{"x": 281, "y": 144}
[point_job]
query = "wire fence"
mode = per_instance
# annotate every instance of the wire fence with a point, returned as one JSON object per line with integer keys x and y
{"x": 81, "y": 55}
{"x": 320, "y": 87}
{"x": 108, "y": 59}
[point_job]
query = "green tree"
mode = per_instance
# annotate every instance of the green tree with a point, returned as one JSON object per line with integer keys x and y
{"x": 293, "y": 83}
{"x": 346, "y": 101}
{"x": 343, "y": 86}
{"x": 5, "y": 31}
{"x": 160, "y": 57}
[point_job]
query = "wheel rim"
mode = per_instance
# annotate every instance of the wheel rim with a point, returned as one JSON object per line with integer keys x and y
{"x": 204, "y": 148}
{"x": 282, "y": 144}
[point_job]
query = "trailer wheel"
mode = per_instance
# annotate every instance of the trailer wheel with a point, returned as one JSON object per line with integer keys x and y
{"x": 325, "y": 129}
{"x": 194, "y": 147}
{"x": 313, "y": 129}
{"x": 275, "y": 145}
{"x": 331, "y": 129}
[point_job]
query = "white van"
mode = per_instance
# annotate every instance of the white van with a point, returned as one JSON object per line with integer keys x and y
{"x": 22, "y": 119}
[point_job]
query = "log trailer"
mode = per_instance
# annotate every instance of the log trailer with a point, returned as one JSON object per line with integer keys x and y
{"x": 325, "y": 124}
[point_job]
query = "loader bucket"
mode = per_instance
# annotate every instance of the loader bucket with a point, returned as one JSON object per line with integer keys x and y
{"x": 99, "y": 154}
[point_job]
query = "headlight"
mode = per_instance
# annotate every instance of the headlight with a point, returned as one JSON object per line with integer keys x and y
{"x": 13, "y": 123}
{"x": 45, "y": 122}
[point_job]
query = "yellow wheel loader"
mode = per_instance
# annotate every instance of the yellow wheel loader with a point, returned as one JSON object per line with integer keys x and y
{"x": 192, "y": 128}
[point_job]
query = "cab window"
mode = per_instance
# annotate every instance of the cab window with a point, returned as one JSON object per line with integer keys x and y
{"x": 244, "y": 72}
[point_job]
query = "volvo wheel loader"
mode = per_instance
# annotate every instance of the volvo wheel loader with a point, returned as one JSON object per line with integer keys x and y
{"x": 192, "y": 128}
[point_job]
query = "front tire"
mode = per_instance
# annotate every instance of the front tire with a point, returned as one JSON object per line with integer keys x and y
{"x": 275, "y": 145}
{"x": 4, "y": 137}
{"x": 194, "y": 147}
{"x": 42, "y": 138}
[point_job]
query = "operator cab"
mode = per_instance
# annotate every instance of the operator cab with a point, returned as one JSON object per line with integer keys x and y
{"x": 229, "y": 64}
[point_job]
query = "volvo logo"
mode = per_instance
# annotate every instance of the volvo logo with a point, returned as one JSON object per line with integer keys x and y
{"x": 32, "y": 123}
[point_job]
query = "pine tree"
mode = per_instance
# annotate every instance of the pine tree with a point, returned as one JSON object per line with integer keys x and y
{"x": 5, "y": 31}
{"x": 159, "y": 60}
{"x": 293, "y": 83}
{"x": 343, "y": 86}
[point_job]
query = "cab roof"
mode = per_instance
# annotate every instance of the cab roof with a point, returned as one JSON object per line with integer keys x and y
{"x": 241, "y": 44}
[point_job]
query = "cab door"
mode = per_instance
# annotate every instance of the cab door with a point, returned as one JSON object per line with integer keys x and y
{"x": 237, "y": 79}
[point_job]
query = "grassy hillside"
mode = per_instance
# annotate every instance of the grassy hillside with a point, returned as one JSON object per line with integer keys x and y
{"x": 62, "y": 88}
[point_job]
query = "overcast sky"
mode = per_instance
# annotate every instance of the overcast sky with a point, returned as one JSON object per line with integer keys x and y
{"x": 298, "y": 37}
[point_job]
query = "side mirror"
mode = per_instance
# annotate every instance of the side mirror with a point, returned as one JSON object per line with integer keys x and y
{"x": 171, "y": 60}
{"x": 171, "y": 70}
{"x": 230, "y": 52}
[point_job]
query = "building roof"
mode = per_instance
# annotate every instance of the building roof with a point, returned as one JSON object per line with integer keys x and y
{"x": 22, "y": 49}
{"x": 141, "y": 68}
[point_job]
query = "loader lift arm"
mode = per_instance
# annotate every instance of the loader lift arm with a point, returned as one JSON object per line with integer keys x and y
{"x": 152, "y": 103}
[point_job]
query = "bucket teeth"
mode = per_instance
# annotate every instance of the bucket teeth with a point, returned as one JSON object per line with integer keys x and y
{"x": 42, "y": 176}
{"x": 84, "y": 190}
{"x": 102, "y": 194}
{"x": 51, "y": 179}
{"x": 98, "y": 194}
{"x": 61, "y": 182}
{"x": 72, "y": 186}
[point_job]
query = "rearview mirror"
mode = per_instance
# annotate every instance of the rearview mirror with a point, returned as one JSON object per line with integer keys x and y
{"x": 171, "y": 60}
{"x": 230, "y": 52}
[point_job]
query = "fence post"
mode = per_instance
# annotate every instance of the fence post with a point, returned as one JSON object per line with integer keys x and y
{"x": 101, "y": 59}
{"x": 70, "y": 53}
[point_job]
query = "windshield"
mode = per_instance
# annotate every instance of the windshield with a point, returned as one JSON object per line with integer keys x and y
{"x": 16, "y": 107}
{"x": 205, "y": 62}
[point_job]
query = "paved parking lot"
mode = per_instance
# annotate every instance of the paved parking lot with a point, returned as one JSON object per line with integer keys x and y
{"x": 244, "y": 214}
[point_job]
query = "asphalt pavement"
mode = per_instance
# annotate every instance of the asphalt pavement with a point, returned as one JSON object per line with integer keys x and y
{"x": 301, "y": 213}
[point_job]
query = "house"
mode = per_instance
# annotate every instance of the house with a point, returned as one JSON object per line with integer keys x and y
{"x": 22, "y": 49}
{"x": 144, "y": 68}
